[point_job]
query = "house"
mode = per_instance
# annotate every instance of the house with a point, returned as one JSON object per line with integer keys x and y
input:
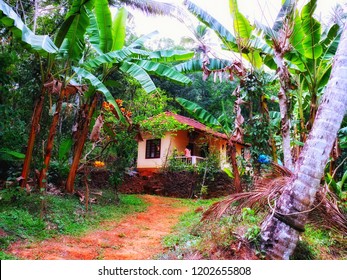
{"x": 153, "y": 153}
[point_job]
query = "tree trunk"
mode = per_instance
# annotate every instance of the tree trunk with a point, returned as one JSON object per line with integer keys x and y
{"x": 31, "y": 140}
{"x": 284, "y": 106}
{"x": 50, "y": 140}
{"x": 281, "y": 47}
{"x": 280, "y": 232}
{"x": 237, "y": 180}
{"x": 272, "y": 142}
{"x": 82, "y": 134}
{"x": 313, "y": 110}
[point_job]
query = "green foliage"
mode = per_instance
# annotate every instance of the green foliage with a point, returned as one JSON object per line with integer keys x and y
{"x": 317, "y": 244}
{"x": 99, "y": 86}
{"x": 257, "y": 132}
{"x": 4, "y": 256}
{"x": 120, "y": 156}
{"x": 303, "y": 251}
{"x": 339, "y": 188}
{"x": 207, "y": 167}
{"x": 184, "y": 237}
{"x": 58, "y": 172}
{"x": 253, "y": 232}
{"x": 10, "y": 155}
{"x": 144, "y": 106}
{"x": 158, "y": 125}
{"x": 193, "y": 237}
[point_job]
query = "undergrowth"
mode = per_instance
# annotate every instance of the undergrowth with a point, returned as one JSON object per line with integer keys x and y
{"x": 22, "y": 215}
{"x": 239, "y": 237}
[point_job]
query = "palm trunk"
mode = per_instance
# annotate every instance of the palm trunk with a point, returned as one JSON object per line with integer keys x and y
{"x": 281, "y": 230}
{"x": 50, "y": 141}
{"x": 81, "y": 138}
{"x": 31, "y": 140}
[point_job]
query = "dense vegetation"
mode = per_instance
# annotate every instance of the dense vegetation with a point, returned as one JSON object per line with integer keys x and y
{"x": 74, "y": 102}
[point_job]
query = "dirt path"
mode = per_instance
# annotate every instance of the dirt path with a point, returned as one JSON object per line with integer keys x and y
{"x": 136, "y": 237}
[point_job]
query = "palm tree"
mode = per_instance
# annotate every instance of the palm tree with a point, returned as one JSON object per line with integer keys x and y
{"x": 281, "y": 230}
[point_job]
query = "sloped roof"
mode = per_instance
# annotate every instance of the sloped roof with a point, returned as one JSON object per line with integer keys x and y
{"x": 196, "y": 125}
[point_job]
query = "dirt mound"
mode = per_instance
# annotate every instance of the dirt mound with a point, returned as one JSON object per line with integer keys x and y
{"x": 178, "y": 184}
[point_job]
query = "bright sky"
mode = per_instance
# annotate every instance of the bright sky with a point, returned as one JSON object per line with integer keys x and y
{"x": 262, "y": 10}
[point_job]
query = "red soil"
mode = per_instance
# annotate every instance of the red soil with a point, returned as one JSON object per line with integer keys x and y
{"x": 136, "y": 237}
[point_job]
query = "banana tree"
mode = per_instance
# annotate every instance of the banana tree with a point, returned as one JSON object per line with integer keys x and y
{"x": 71, "y": 43}
{"x": 312, "y": 52}
{"x": 278, "y": 37}
{"x": 222, "y": 123}
{"x": 114, "y": 56}
{"x": 67, "y": 48}
{"x": 245, "y": 42}
{"x": 305, "y": 54}
{"x": 44, "y": 47}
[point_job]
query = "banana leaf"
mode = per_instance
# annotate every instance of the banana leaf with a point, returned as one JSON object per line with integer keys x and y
{"x": 163, "y": 70}
{"x": 140, "y": 41}
{"x": 104, "y": 20}
{"x": 111, "y": 57}
{"x": 93, "y": 32}
{"x": 99, "y": 86}
{"x": 139, "y": 74}
{"x": 312, "y": 30}
{"x": 170, "y": 55}
{"x": 119, "y": 29}
{"x": 199, "y": 113}
{"x": 242, "y": 26}
{"x": 196, "y": 65}
{"x": 224, "y": 34}
{"x": 70, "y": 37}
{"x": 41, "y": 44}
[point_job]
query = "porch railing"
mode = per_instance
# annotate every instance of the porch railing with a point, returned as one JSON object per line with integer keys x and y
{"x": 193, "y": 159}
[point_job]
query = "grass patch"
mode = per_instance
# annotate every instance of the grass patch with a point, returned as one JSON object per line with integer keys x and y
{"x": 319, "y": 244}
{"x": 4, "y": 256}
{"x": 22, "y": 217}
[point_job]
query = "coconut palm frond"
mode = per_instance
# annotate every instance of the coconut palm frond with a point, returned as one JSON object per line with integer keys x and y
{"x": 151, "y": 7}
{"x": 277, "y": 171}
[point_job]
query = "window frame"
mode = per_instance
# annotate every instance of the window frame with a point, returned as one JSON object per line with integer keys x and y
{"x": 151, "y": 145}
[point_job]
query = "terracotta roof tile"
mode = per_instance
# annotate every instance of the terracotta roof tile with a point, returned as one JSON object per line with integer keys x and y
{"x": 197, "y": 125}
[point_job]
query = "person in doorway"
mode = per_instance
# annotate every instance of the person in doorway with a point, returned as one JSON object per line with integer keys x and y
{"x": 187, "y": 152}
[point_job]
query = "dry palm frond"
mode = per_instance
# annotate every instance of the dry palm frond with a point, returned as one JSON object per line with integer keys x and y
{"x": 325, "y": 211}
{"x": 152, "y": 7}
{"x": 266, "y": 190}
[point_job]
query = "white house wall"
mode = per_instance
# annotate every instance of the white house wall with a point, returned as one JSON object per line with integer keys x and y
{"x": 175, "y": 141}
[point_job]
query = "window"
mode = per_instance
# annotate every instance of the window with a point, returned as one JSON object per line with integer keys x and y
{"x": 153, "y": 148}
